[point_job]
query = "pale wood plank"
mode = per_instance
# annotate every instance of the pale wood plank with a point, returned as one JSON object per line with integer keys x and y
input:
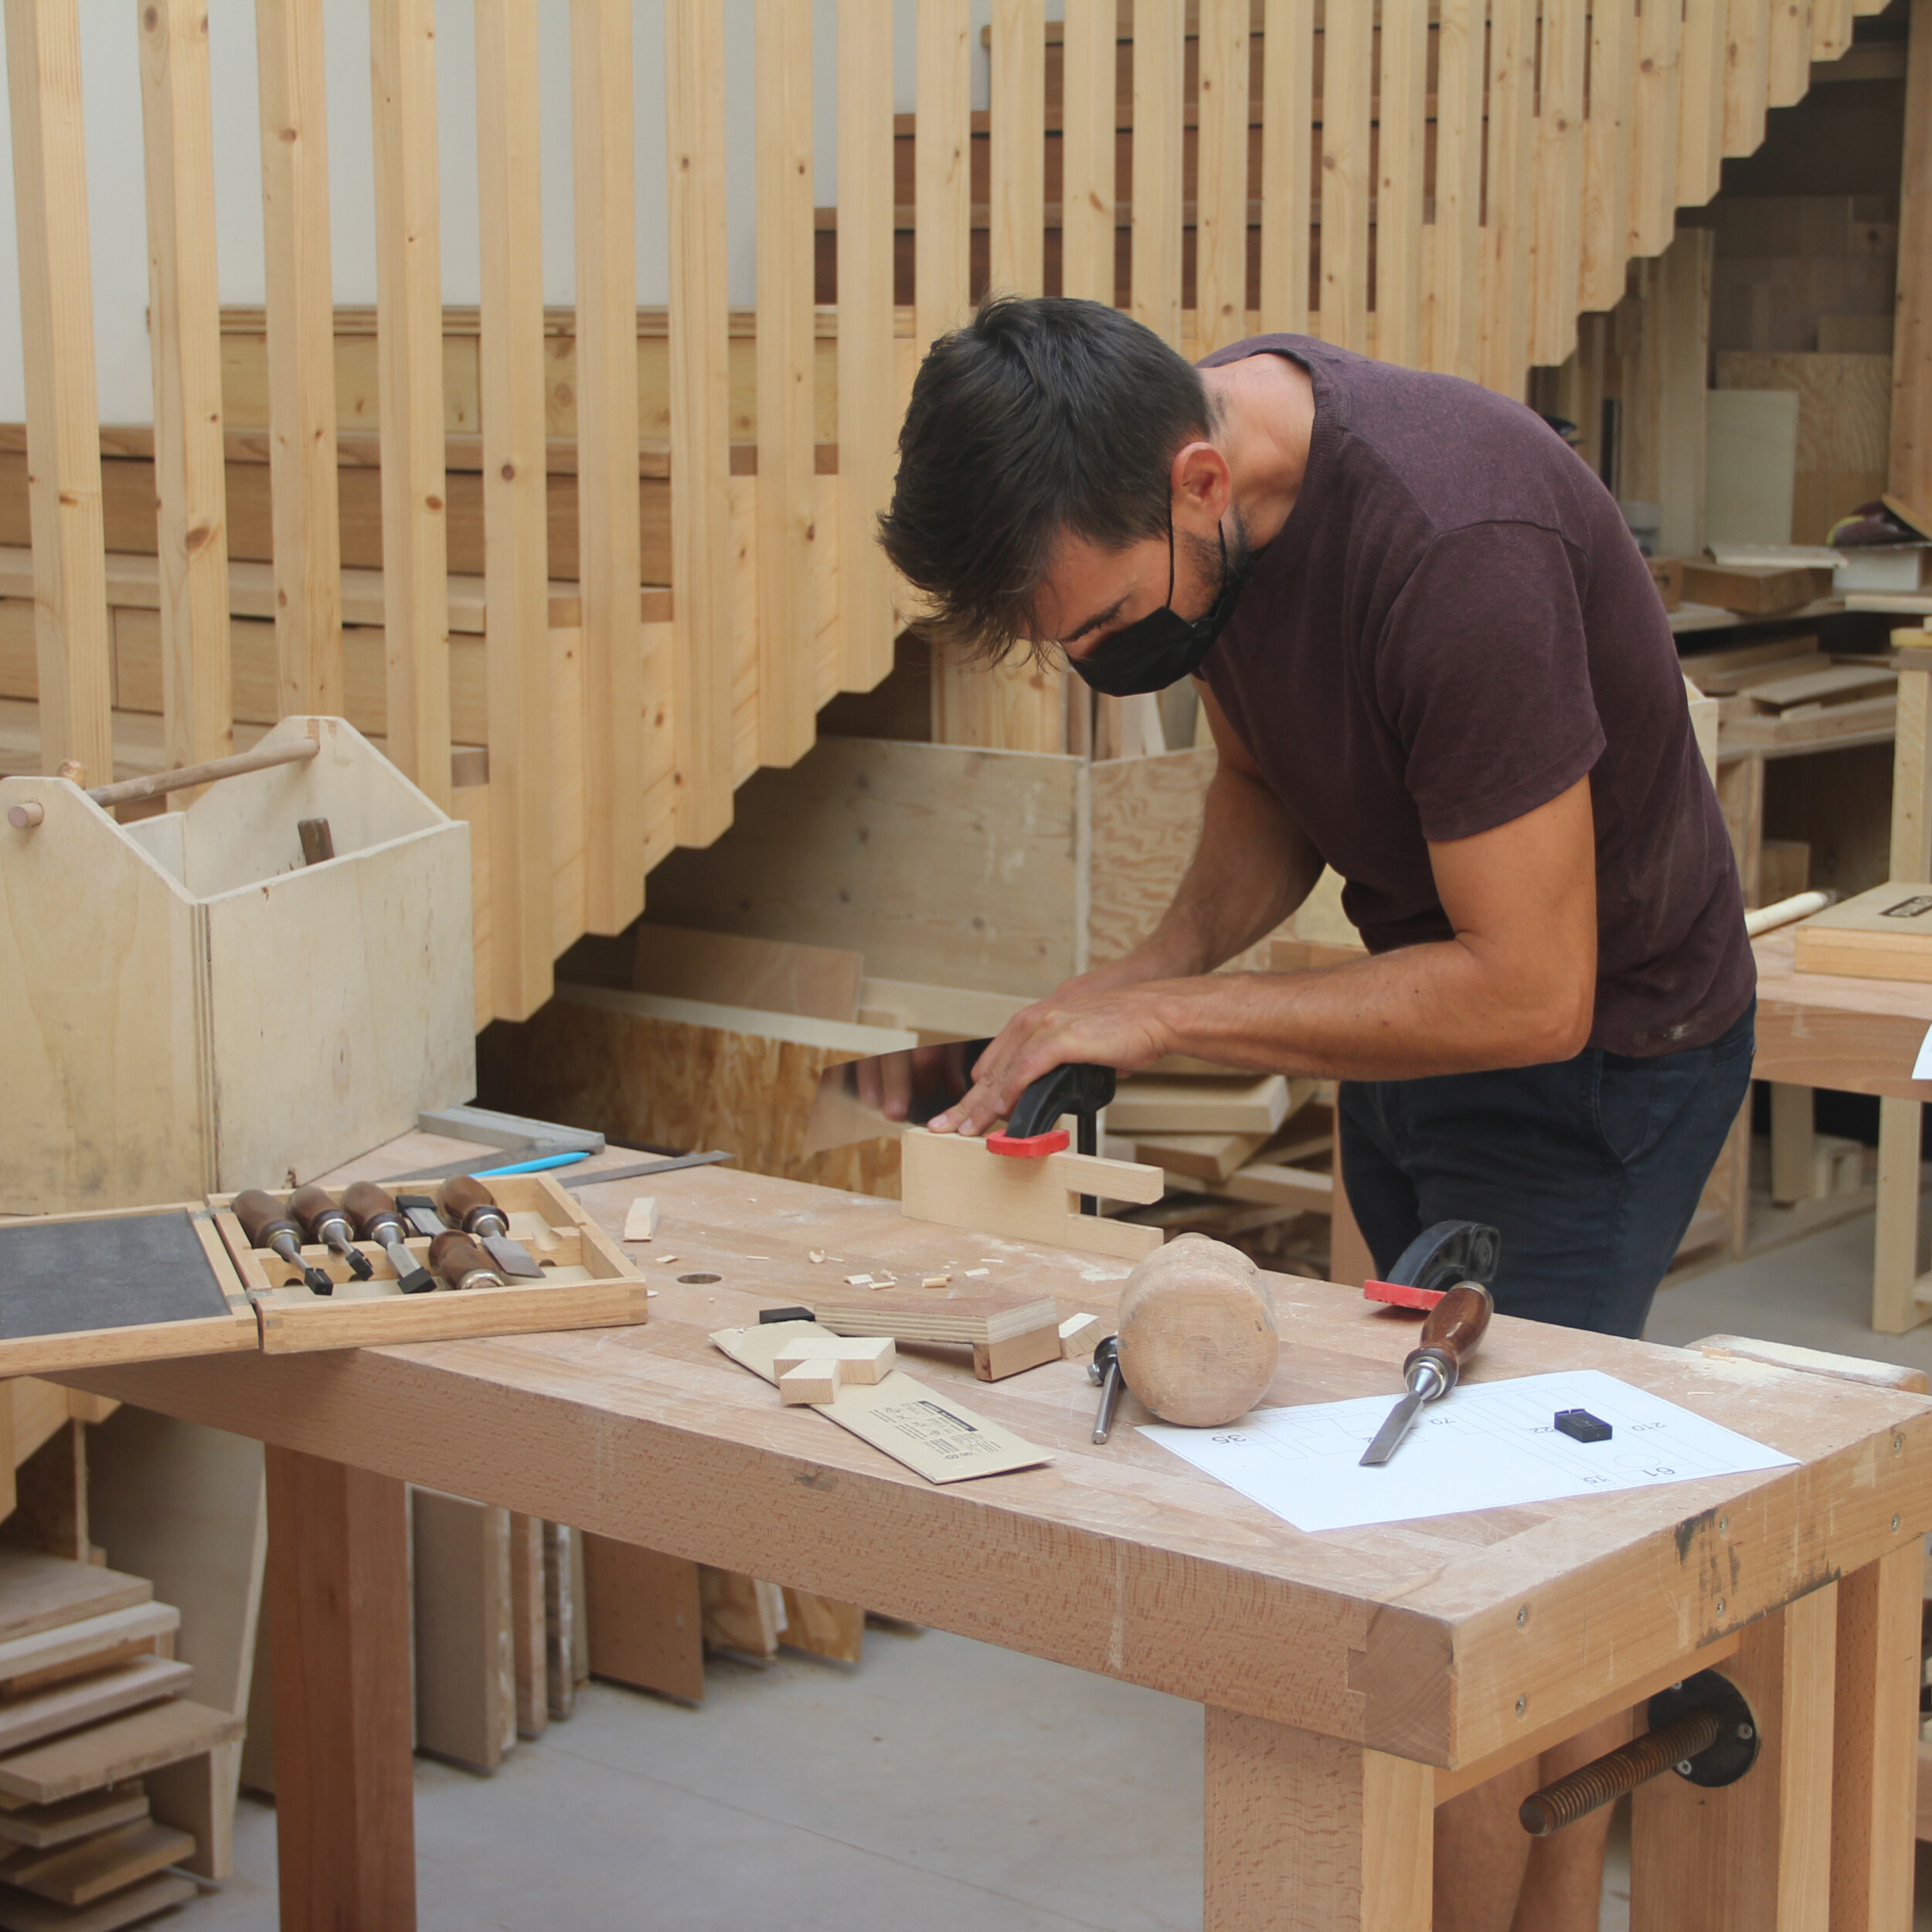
{"x": 1455, "y": 260}
{"x": 408, "y": 301}
{"x": 300, "y": 325}
{"x": 1910, "y": 471}
{"x": 1682, "y": 320}
{"x": 1510, "y": 194}
{"x": 1287, "y": 56}
{"x": 1747, "y": 74}
{"x": 1875, "y": 1756}
{"x": 1308, "y": 1834}
{"x": 1346, "y": 181}
{"x": 1895, "y": 1262}
{"x": 1700, "y": 109}
{"x": 1606, "y": 160}
{"x": 1086, "y": 150}
{"x": 1789, "y": 71}
{"x": 1655, "y": 127}
{"x": 71, "y": 648}
{"x": 621, "y": 727}
{"x": 184, "y": 329}
{"x": 1221, "y": 203}
{"x": 1018, "y": 121}
{"x": 1159, "y": 45}
{"x": 700, "y": 424}
{"x": 942, "y": 185}
{"x": 1400, "y": 307}
{"x": 338, "y": 1607}
{"x": 1556, "y": 247}
{"x": 787, "y": 715}
{"x": 868, "y": 401}
{"x": 1831, "y": 28}
{"x": 515, "y": 517}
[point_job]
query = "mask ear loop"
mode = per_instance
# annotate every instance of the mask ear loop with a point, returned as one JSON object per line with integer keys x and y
{"x": 1169, "y": 604}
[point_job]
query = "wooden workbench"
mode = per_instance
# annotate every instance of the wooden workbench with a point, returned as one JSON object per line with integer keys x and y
{"x": 1353, "y": 1680}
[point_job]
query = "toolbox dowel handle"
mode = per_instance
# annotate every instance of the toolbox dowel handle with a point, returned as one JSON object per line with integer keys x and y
{"x": 291, "y": 751}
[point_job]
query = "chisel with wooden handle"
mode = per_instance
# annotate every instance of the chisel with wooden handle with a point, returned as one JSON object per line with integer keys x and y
{"x": 268, "y": 1227}
{"x": 378, "y": 1219}
{"x": 461, "y": 1262}
{"x": 327, "y": 1226}
{"x": 1450, "y": 1337}
{"x": 469, "y": 1204}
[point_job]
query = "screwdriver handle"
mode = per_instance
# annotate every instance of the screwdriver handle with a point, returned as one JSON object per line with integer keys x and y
{"x": 262, "y": 1219}
{"x": 461, "y": 1262}
{"x": 1453, "y": 1330}
{"x": 367, "y": 1204}
{"x": 463, "y": 1195}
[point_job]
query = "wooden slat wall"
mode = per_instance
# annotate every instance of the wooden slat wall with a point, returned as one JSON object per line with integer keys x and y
{"x": 1748, "y": 73}
{"x": 1605, "y": 227}
{"x": 184, "y": 327}
{"x": 1345, "y": 177}
{"x": 1655, "y": 127}
{"x": 57, "y": 350}
{"x": 1221, "y": 220}
{"x": 701, "y": 683}
{"x": 1910, "y": 469}
{"x": 515, "y": 519}
{"x": 1700, "y": 111}
{"x": 1019, "y": 162}
{"x": 1789, "y": 68}
{"x": 1453, "y": 246}
{"x": 409, "y": 301}
{"x": 1511, "y": 180}
{"x": 1401, "y": 305}
{"x": 1087, "y": 151}
{"x": 1159, "y": 47}
{"x": 1287, "y": 92}
{"x": 290, "y": 80}
{"x": 1557, "y": 249}
{"x": 627, "y": 815}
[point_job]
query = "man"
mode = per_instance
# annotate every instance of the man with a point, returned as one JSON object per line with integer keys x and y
{"x": 1432, "y": 658}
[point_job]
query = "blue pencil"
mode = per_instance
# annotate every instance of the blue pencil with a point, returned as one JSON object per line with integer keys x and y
{"x": 533, "y": 1167}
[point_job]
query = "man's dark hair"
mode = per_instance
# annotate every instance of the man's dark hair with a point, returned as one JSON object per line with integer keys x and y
{"x": 1041, "y": 416}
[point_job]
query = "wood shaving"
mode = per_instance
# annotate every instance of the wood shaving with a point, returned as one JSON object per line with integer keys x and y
{"x": 816, "y": 1255}
{"x": 666, "y": 1261}
{"x": 936, "y": 1281}
{"x": 858, "y": 1281}
{"x": 977, "y": 1274}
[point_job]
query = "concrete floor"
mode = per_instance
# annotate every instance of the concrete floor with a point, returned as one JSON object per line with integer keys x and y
{"x": 940, "y": 1782}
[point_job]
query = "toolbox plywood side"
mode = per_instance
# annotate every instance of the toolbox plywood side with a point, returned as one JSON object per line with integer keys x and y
{"x": 941, "y": 865}
{"x": 105, "y": 998}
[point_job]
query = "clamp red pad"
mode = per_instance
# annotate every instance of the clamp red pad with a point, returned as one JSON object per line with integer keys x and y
{"x": 1030, "y": 1146}
{"x": 1400, "y": 1295}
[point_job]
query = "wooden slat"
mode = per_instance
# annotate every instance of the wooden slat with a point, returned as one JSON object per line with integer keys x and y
{"x": 409, "y": 301}
{"x": 1655, "y": 116}
{"x": 1747, "y": 74}
{"x": 1789, "y": 73}
{"x": 1159, "y": 45}
{"x": 1346, "y": 181}
{"x": 1086, "y": 150}
{"x": 1510, "y": 194}
{"x": 1606, "y": 231}
{"x": 1288, "y": 84}
{"x": 942, "y": 184}
{"x": 184, "y": 329}
{"x": 299, "y": 321}
{"x": 1831, "y": 28}
{"x": 57, "y": 352}
{"x": 1700, "y": 111}
{"x": 1455, "y": 260}
{"x": 700, "y": 426}
{"x": 868, "y": 398}
{"x": 625, "y": 746}
{"x": 788, "y": 709}
{"x": 516, "y": 518}
{"x": 1910, "y": 468}
{"x": 1400, "y": 304}
{"x": 1557, "y": 249}
{"x": 1221, "y": 203}
{"x": 1018, "y": 133}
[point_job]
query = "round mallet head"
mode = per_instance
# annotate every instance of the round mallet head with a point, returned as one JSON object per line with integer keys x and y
{"x": 1197, "y": 1338}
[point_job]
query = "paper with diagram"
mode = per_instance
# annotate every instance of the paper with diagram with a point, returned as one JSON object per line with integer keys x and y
{"x": 1486, "y": 1445}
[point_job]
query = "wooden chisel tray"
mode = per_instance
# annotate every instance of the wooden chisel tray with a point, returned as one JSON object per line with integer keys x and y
{"x": 588, "y": 1282}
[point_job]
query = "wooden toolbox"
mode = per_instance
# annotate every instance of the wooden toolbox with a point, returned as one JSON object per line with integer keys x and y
{"x": 1886, "y": 934}
{"x": 588, "y": 1282}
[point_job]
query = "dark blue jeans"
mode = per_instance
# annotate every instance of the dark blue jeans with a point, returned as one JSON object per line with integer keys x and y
{"x": 1590, "y": 1168}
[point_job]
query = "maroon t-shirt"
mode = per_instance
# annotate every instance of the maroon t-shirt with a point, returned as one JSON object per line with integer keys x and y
{"x": 1452, "y": 627}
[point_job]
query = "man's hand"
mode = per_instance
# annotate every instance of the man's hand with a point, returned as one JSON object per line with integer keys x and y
{"x": 1102, "y": 1024}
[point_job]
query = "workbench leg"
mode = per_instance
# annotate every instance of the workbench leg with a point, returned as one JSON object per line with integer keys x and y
{"x": 1895, "y": 1264}
{"x": 1740, "y": 796}
{"x": 1308, "y": 1834}
{"x": 338, "y": 1595}
{"x": 1754, "y": 1857}
{"x": 1349, "y": 1261}
{"x": 1874, "y": 1759}
{"x": 1794, "y": 1145}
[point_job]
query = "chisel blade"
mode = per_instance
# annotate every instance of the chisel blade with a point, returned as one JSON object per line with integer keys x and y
{"x": 512, "y": 1257}
{"x": 1390, "y": 1434}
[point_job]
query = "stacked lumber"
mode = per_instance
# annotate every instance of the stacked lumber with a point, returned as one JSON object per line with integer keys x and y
{"x": 111, "y": 1778}
{"x": 1789, "y": 695}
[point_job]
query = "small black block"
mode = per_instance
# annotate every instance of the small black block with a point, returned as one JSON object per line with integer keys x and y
{"x": 783, "y": 1315}
{"x": 1580, "y": 1426}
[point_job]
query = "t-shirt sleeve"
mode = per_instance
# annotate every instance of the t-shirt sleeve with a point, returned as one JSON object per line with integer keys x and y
{"x": 1482, "y": 673}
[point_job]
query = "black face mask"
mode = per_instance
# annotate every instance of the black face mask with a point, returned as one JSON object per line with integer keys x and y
{"x": 1163, "y": 646}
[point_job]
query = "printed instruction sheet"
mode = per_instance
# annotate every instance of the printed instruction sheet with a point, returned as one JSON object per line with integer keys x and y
{"x": 1486, "y": 1445}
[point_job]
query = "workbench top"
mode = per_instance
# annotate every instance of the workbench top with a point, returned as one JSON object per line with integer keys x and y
{"x": 1827, "y": 1029}
{"x": 1443, "y": 1640}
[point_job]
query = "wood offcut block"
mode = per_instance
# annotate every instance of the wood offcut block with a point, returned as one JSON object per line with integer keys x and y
{"x": 80, "y": 1873}
{"x": 1754, "y": 590}
{"x": 992, "y": 1361}
{"x": 813, "y": 1381}
{"x": 863, "y": 1359}
{"x": 1080, "y": 1335}
{"x": 1157, "y": 1103}
{"x": 1884, "y": 934}
{"x": 641, "y": 1220}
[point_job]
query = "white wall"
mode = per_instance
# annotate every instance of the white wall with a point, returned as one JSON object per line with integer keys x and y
{"x": 111, "y": 100}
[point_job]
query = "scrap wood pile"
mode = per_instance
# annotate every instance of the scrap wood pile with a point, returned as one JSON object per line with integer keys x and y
{"x": 1787, "y": 693}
